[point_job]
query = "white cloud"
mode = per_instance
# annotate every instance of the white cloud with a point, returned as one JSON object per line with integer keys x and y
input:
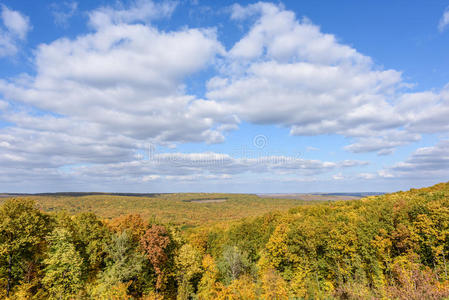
{"x": 15, "y": 22}
{"x": 444, "y": 21}
{"x": 3, "y": 105}
{"x": 15, "y": 29}
{"x": 280, "y": 36}
{"x": 63, "y": 11}
{"x": 127, "y": 79}
{"x": 7, "y": 45}
{"x": 287, "y": 72}
{"x": 338, "y": 176}
{"x": 138, "y": 11}
{"x": 108, "y": 93}
{"x": 60, "y": 142}
{"x": 427, "y": 162}
{"x": 384, "y": 144}
{"x": 426, "y": 112}
{"x": 96, "y": 98}
{"x": 366, "y": 176}
{"x": 76, "y": 152}
{"x": 209, "y": 166}
{"x": 385, "y": 174}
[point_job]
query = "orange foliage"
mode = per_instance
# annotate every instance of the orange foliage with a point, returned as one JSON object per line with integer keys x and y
{"x": 155, "y": 242}
{"x": 133, "y": 223}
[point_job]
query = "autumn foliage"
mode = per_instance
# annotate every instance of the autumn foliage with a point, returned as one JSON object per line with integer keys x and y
{"x": 393, "y": 246}
{"x": 155, "y": 243}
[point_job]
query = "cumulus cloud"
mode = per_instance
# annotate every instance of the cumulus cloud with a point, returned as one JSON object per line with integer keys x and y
{"x": 127, "y": 79}
{"x": 444, "y": 21}
{"x": 426, "y": 111}
{"x": 15, "y": 29}
{"x": 286, "y": 71}
{"x": 53, "y": 142}
{"x": 278, "y": 35}
{"x": 384, "y": 144}
{"x": 92, "y": 100}
{"x": 15, "y": 22}
{"x": 425, "y": 163}
{"x": 97, "y": 98}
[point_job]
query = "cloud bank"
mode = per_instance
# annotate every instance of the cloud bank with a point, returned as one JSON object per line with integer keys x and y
{"x": 94, "y": 99}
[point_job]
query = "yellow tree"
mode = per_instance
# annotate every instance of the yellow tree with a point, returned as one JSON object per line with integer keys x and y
{"x": 243, "y": 288}
{"x": 64, "y": 266}
{"x": 274, "y": 286}
{"x": 188, "y": 265}
{"x": 22, "y": 235}
{"x": 276, "y": 248}
{"x": 208, "y": 288}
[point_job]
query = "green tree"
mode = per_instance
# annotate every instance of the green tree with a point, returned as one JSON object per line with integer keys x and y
{"x": 64, "y": 266}
{"x": 123, "y": 264}
{"x": 22, "y": 235}
{"x": 233, "y": 263}
{"x": 92, "y": 238}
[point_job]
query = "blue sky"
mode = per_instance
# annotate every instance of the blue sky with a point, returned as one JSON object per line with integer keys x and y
{"x": 208, "y": 96}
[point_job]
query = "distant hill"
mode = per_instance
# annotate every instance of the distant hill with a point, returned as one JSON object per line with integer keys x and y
{"x": 79, "y": 194}
{"x": 319, "y": 196}
{"x": 189, "y": 209}
{"x": 362, "y": 194}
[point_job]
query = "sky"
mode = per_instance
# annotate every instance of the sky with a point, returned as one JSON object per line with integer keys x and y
{"x": 223, "y": 96}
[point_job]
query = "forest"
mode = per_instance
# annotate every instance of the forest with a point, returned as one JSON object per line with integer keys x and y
{"x": 392, "y": 246}
{"x": 185, "y": 209}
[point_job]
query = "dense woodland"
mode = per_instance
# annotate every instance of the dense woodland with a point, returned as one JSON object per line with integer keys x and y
{"x": 392, "y": 246}
{"x": 176, "y": 208}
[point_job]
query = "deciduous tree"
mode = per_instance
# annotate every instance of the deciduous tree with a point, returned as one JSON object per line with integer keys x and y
{"x": 22, "y": 236}
{"x": 64, "y": 266}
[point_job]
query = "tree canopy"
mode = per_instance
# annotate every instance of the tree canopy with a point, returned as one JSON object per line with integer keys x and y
{"x": 394, "y": 246}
